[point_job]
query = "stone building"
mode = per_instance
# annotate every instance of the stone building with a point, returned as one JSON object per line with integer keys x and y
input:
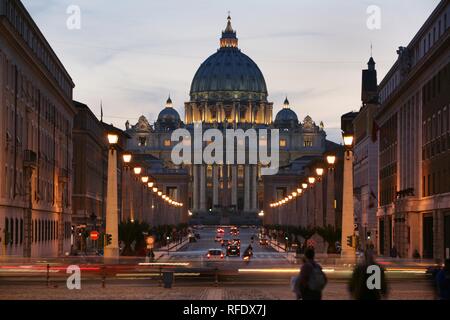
{"x": 36, "y": 120}
{"x": 365, "y": 160}
{"x": 228, "y": 91}
{"x": 414, "y": 144}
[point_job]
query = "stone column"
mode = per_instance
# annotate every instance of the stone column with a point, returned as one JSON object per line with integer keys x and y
{"x": 318, "y": 207}
{"x": 202, "y": 187}
{"x": 246, "y": 188}
{"x": 331, "y": 213}
{"x": 215, "y": 185}
{"x": 112, "y": 223}
{"x": 347, "y": 206}
{"x": 195, "y": 195}
{"x": 225, "y": 193}
{"x": 304, "y": 209}
{"x": 254, "y": 188}
{"x": 234, "y": 185}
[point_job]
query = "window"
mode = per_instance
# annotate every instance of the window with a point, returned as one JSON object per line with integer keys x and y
{"x": 283, "y": 143}
{"x": 308, "y": 142}
{"x": 167, "y": 143}
{"x": 142, "y": 141}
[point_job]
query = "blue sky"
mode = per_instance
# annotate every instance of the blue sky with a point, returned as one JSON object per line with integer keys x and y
{"x": 132, "y": 54}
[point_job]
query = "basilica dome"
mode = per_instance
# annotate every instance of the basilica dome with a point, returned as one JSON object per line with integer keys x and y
{"x": 228, "y": 74}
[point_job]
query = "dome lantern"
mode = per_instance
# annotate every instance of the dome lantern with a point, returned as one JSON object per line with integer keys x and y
{"x": 228, "y": 39}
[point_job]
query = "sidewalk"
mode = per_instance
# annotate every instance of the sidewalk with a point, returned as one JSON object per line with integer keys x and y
{"x": 161, "y": 252}
{"x": 290, "y": 256}
{"x": 333, "y": 291}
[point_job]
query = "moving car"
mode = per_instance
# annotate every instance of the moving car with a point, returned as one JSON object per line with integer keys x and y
{"x": 215, "y": 254}
{"x": 234, "y": 231}
{"x": 225, "y": 242}
{"x": 220, "y": 230}
{"x": 218, "y": 238}
{"x": 233, "y": 251}
{"x": 236, "y": 241}
{"x": 263, "y": 241}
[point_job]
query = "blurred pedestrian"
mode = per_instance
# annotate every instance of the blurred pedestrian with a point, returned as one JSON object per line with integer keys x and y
{"x": 443, "y": 281}
{"x": 359, "y": 286}
{"x": 311, "y": 280}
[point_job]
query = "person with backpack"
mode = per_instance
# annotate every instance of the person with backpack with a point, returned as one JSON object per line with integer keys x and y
{"x": 443, "y": 281}
{"x": 358, "y": 286}
{"x": 311, "y": 280}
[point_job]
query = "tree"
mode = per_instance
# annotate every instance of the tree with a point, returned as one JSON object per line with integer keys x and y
{"x": 130, "y": 232}
{"x": 330, "y": 235}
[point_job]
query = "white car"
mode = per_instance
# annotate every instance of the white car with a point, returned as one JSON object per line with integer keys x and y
{"x": 215, "y": 255}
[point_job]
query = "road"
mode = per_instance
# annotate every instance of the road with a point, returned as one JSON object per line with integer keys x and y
{"x": 267, "y": 276}
{"x": 195, "y": 253}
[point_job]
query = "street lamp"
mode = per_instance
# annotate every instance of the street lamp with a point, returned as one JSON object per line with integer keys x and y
{"x": 311, "y": 180}
{"x": 144, "y": 179}
{"x": 331, "y": 159}
{"x": 319, "y": 171}
{"x": 112, "y": 219}
{"x": 348, "y": 140}
{"x": 330, "y": 218}
{"x": 347, "y": 201}
{"x": 151, "y": 184}
{"x": 304, "y": 185}
{"x": 126, "y": 158}
{"x": 137, "y": 170}
{"x": 113, "y": 138}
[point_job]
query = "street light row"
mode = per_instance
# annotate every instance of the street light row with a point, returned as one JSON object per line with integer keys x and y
{"x": 150, "y": 184}
{"x": 331, "y": 159}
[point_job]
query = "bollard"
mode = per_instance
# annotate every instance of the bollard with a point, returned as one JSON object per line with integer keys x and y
{"x": 48, "y": 275}
{"x": 160, "y": 277}
{"x": 103, "y": 276}
{"x": 216, "y": 282}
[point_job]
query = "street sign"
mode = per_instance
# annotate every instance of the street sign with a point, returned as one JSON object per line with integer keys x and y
{"x": 94, "y": 235}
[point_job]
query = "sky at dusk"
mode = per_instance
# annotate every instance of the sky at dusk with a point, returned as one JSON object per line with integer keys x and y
{"x": 131, "y": 54}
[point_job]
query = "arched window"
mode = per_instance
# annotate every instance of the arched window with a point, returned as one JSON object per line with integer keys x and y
{"x": 16, "y": 232}
{"x": 6, "y": 230}
{"x": 21, "y": 231}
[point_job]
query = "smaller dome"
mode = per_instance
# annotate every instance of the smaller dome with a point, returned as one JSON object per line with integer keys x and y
{"x": 168, "y": 114}
{"x": 286, "y": 115}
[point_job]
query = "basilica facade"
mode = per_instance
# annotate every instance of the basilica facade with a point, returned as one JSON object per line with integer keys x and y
{"x": 227, "y": 91}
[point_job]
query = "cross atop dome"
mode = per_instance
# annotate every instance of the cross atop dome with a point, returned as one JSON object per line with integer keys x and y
{"x": 228, "y": 39}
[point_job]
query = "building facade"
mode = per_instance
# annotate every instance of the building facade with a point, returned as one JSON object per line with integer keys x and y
{"x": 414, "y": 145}
{"x": 36, "y": 120}
{"x": 228, "y": 92}
{"x": 365, "y": 160}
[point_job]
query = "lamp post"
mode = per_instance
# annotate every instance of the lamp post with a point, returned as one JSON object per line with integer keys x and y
{"x": 319, "y": 221}
{"x": 330, "y": 219}
{"x": 347, "y": 201}
{"x": 112, "y": 219}
{"x": 126, "y": 201}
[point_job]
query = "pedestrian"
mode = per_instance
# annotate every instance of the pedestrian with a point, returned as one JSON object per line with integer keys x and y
{"x": 359, "y": 287}
{"x": 311, "y": 280}
{"x": 443, "y": 281}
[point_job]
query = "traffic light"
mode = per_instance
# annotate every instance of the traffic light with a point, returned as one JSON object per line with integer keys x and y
{"x": 350, "y": 241}
{"x": 108, "y": 239}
